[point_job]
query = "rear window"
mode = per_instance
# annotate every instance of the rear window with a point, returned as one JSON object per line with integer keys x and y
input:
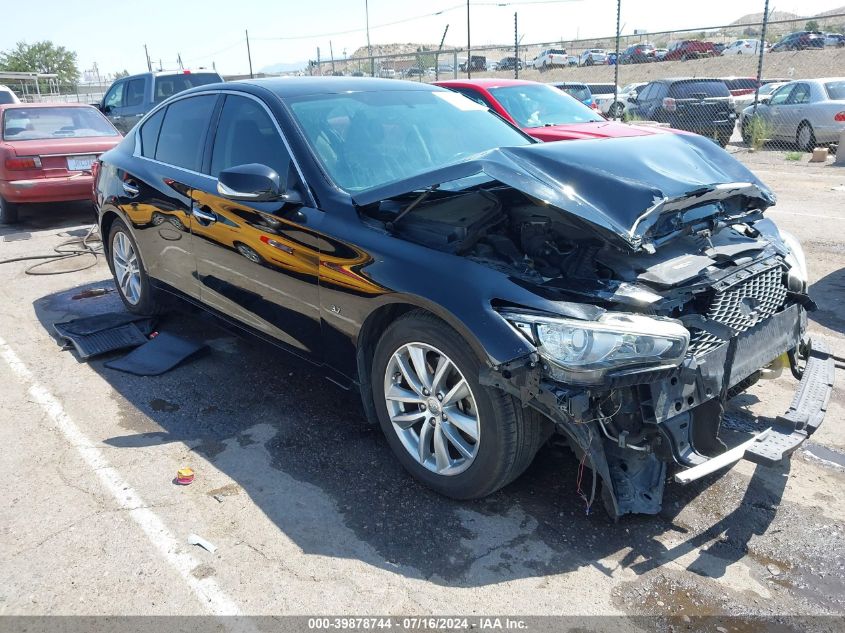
{"x": 695, "y": 89}
{"x": 557, "y": 51}
{"x": 600, "y": 89}
{"x": 835, "y": 90}
{"x": 582, "y": 93}
{"x": 741, "y": 84}
{"x": 168, "y": 85}
{"x": 31, "y": 124}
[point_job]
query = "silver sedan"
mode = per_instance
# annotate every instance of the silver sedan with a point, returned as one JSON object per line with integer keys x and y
{"x": 807, "y": 112}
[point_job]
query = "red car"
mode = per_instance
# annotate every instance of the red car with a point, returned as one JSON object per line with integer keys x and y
{"x": 543, "y": 111}
{"x": 690, "y": 49}
{"x": 46, "y": 153}
{"x": 739, "y": 86}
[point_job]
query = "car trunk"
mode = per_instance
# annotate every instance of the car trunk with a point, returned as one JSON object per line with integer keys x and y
{"x": 57, "y": 154}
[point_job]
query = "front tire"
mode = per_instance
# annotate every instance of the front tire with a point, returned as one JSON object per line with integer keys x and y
{"x": 8, "y": 212}
{"x": 130, "y": 276}
{"x": 453, "y": 434}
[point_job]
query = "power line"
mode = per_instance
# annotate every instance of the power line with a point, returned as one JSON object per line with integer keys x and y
{"x": 504, "y": 3}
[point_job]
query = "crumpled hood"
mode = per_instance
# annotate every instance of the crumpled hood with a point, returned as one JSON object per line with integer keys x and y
{"x": 619, "y": 186}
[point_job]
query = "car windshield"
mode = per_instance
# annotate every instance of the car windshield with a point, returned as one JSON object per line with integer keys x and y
{"x": 631, "y": 88}
{"x": 168, "y": 85}
{"x": 557, "y": 51}
{"x": 538, "y": 105}
{"x": 769, "y": 88}
{"x": 30, "y": 124}
{"x": 367, "y": 139}
{"x": 835, "y": 90}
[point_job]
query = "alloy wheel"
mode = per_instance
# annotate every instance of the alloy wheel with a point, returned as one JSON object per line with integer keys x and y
{"x": 432, "y": 408}
{"x": 126, "y": 268}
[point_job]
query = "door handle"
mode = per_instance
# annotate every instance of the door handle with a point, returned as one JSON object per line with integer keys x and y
{"x": 116, "y": 117}
{"x": 130, "y": 189}
{"x": 205, "y": 217}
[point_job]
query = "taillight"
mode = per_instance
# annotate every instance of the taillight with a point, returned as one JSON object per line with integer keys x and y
{"x": 20, "y": 163}
{"x": 669, "y": 104}
{"x": 840, "y": 116}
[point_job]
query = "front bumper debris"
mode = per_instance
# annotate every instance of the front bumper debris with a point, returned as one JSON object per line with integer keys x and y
{"x": 785, "y": 433}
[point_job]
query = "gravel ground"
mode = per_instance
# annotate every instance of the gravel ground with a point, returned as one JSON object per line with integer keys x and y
{"x": 312, "y": 515}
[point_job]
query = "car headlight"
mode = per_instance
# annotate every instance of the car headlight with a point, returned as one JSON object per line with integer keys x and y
{"x": 582, "y": 352}
{"x": 797, "y": 278}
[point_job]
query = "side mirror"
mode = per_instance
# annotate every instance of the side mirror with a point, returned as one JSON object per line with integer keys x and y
{"x": 633, "y": 98}
{"x": 250, "y": 183}
{"x": 764, "y": 100}
{"x": 105, "y": 109}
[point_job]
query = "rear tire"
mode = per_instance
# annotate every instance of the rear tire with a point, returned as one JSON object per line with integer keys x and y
{"x": 125, "y": 262}
{"x": 805, "y": 138}
{"x": 506, "y": 436}
{"x": 8, "y": 212}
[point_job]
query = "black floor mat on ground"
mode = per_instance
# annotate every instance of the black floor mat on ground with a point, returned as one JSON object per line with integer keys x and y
{"x": 156, "y": 356}
{"x": 102, "y": 333}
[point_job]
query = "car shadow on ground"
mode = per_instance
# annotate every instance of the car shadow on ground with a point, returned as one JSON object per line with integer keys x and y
{"x": 41, "y": 217}
{"x": 827, "y": 293}
{"x": 314, "y": 433}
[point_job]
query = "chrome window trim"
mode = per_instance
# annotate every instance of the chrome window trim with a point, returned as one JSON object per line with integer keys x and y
{"x": 136, "y": 152}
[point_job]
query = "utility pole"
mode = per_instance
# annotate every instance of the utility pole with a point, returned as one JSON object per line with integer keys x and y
{"x": 248, "y": 54}
{"x": 760, "y": 60}
{"x": 469, "y": 54}
{"x": 369, "y": 48}
{"x": 331, "y": 52}
{"x": 147, "y": 55}
{"x": 319, "y": 67}
{"x": 437, "y": 57}
{"x": 616, "y": 61}
{"x": 179, "y": 61}
{"x": 515, "y": 47}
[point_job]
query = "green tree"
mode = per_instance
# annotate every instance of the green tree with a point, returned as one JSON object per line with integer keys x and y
{"x": 41, "y": 57}
{"x": 812, "y": 25}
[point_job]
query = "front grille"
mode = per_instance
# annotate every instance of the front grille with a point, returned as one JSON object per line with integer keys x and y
{"x": 740, "y": 306}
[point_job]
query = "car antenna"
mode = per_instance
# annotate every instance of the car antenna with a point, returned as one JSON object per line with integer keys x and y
{"x": 419, "y": 199}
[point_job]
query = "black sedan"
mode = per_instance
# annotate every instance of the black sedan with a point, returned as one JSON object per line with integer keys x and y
{"x": 481, "y": 290}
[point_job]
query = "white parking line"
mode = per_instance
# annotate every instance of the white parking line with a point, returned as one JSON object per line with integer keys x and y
{"x": 212, "y": 597}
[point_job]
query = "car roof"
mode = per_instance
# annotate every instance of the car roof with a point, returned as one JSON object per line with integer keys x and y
{"x": 286, "y": 87}
{"x": 29, "y": 106}
{"x": 487, "y": 82}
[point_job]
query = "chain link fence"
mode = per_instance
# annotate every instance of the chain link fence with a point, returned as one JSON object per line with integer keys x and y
{"x": 769, "y": 84}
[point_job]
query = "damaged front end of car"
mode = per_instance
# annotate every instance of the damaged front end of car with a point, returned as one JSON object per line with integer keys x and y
{"x": 665, "y": 293}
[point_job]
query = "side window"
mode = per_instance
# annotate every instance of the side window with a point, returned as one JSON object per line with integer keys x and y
{"x": 659, "y": 91}
{"x": 645, "y": 93}
{"x": 246, "y": 134}
{"x": 800, "y": 94}
{"x": 149, "y": 134}
{"x": 183, "y": 132}
{"x": 781, "y": 95}
{"x": 134, "y": 93}
{"x": 114, "y": 97}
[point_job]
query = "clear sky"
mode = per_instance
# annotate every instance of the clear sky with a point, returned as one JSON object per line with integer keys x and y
{"x": 114, "y": 34}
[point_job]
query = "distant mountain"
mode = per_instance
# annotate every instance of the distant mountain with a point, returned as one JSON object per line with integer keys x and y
{"x": 838, "y": 11}
{"x": 756, "y": 18}
{"x": 274, "y": 69}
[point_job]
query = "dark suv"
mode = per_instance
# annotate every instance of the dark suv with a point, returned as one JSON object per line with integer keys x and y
{"x": 638, "y": 54}
{"x": 509, "y": 63}
{"x": 703, "y": 106}
{"x": 799, "y": 41}
{"x": 130, "y": 98}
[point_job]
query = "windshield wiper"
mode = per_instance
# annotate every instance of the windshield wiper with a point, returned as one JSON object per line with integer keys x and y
{"x": 416, "y": 202}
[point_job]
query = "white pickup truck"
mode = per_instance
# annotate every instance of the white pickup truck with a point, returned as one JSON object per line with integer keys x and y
{"x": 551, "y": 58}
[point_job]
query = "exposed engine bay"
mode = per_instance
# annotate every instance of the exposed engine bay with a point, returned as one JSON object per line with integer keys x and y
{"x": 713, "y": 264}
